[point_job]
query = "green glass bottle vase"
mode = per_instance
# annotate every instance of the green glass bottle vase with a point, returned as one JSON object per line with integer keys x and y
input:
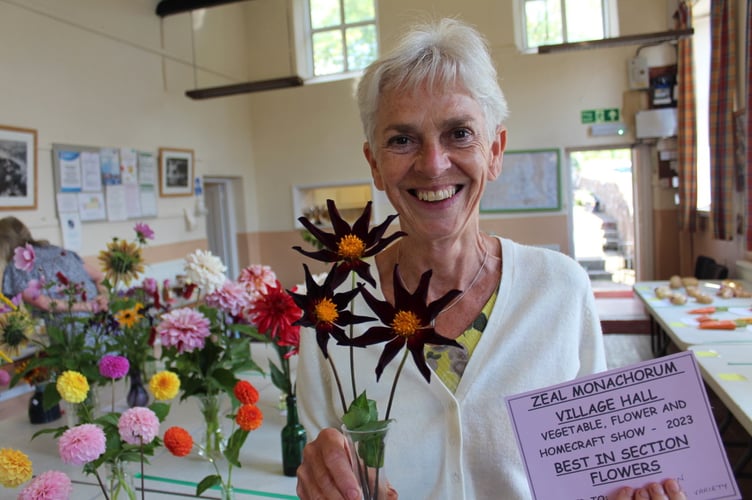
{"x": 293, "y": 439}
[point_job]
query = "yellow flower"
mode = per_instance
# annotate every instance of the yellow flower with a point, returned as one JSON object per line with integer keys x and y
{"x": 15, "y": 467}
{"x": 122, "y": 261}
{"x": 72, "y": 386}
{"x": 164, "y": 385}
{"x": 16, "y": 327}
{"x": 129, "y": 317}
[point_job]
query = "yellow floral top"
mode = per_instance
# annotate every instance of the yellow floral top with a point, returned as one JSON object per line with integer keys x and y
{"x": 448, "y": 362}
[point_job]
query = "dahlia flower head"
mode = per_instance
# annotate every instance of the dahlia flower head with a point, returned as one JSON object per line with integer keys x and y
{"x": 205, "y": 270}
{"x": 184, "y": 328}
{"x": 81, "y": 444}
{"x": 138, "y": 425}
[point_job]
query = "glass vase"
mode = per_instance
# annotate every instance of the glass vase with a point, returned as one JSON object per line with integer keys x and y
{"x": 37, "y": 413}
{"x": 120, "y": 482}
{"x": 293, "y": 439}
{"x": 227, "y": 492}
{"x": 85, "y": 411}
{"x": 137, "y": 395}
{"x": 367, "y": 453}
{"x": 212, "y": 439}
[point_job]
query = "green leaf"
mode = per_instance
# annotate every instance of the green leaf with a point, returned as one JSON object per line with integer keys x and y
{"x": 236, "y": 441}
{"x": 50, "y": 397}
{"x": 161, "y": 410}
{"x": 208, "y": 482}
{"x": 278, "y": 378}
{"x": 362, "y": 411}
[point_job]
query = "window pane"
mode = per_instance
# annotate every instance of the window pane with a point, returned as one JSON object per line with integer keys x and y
{"x": 328, "y": 53}
{"x": 543, "y": 22}
{"x": 357, "y": 11}
{"x": 584, "y": 20}
{"x": 324, "y": 13}
{"x": 361, "y": 46}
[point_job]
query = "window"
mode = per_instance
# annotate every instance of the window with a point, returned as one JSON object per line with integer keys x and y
{"x": 546, "y": 22}
{"x": 701, "y": 48}
{"x": 343, "y": 35}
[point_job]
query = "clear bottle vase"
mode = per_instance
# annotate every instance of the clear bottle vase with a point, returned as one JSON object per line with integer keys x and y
{"x": 212, "y": 439}
{"x": 367, "y": 454}
{"x": 120, "y": 482}
{"x": 227, "y": 492}
{"x": 293, "y": 439}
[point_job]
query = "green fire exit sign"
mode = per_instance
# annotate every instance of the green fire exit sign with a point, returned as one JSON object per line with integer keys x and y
{"x": 600, "y": 115}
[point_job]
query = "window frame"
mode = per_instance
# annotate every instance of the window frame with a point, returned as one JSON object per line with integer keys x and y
{"x": 304, "y": 41}
{"x": 609, "y": 19}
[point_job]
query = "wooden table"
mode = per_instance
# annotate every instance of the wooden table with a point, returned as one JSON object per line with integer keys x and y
{"x": 673, "y": 323}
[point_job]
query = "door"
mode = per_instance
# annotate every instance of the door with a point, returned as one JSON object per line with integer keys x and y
{"x": 603, "y": 208}
{"x": 221, "y": 225}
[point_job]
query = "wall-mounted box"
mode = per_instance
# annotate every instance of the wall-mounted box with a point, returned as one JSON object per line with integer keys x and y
{"x": 655, "y": 123}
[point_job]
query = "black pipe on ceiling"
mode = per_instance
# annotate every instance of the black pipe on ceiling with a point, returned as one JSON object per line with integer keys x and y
{"x": 169, "y": 7}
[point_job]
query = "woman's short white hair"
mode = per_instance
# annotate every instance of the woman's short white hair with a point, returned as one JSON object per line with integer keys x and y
{"x": 440, "y": 55}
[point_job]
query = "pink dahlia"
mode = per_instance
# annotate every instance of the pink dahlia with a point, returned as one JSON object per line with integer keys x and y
{"x": 230, "y": 298}
{"x": 256, "y": 279}
{"x": 150, "y": 285}
{"x": 23, "y": 257}
{"x": 183, "y": 328}
{"x": 4, "y": 378}
{"x": 49, "y": 485}
{"x": 81, "y": 444}
{"x": 143, "y": 231}
{"x": 138, "y": 425}
{"x": 113, "y": 366}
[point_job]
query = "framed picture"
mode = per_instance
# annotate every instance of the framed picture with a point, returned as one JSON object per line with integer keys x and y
{"x": 530, "y": 181}
{"x": 18, "y": 168}
{"x": 175, "y": 172}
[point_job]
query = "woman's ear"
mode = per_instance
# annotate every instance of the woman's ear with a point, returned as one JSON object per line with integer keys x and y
{"x": 371, "y": 159}
{"x": 498, "y": 146}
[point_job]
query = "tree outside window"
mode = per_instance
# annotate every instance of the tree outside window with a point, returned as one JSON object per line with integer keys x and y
{"x": 343, "y": 35}
{"x": 547, "y": 22}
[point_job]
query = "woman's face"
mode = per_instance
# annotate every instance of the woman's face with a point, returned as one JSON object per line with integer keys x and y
{"x": 432, "y": 157}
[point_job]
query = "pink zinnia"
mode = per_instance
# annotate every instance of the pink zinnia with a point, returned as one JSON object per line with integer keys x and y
{"x": 183, "y": 328}
{"x": 34, "y": 288}
{"x": 113, "y": 366}
{"x": 138, "y": 425}
{"x": 4, "y": 378}
{"x": 81, "y": 444}
{"x": 143, "y": 231}
{"x": 23, "y": 257}
{"x": 256, "y": 279}
{"x": 49, "y": 485}
{"x": 150, "y": 286}
{"x": 230, "y": 298}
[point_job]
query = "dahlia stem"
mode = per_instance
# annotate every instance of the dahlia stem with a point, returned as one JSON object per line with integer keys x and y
{"x": 352, "y": 349}
{"x": 394, "y": 384}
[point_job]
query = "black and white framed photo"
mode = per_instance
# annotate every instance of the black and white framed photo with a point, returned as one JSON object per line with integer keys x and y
{"x": 175, "y": 172}
{"x": 18, "y": 168}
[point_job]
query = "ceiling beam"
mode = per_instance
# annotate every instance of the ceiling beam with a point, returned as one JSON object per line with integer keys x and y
{"x": 169, "y": 7}
{"x": 245, "y": 88}
{"x": 619, "y": 41}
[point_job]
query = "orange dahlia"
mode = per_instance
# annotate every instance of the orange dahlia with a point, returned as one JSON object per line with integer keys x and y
{"x": 178, "y": 441}
{"x": 249, "y": 417}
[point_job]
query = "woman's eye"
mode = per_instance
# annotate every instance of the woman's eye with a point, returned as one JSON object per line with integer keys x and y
{"x": 398, "y": 140}
{"x": 461, "y": 133}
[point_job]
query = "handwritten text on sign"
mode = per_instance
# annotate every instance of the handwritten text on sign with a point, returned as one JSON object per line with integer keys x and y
{"x": 630, "y": 426}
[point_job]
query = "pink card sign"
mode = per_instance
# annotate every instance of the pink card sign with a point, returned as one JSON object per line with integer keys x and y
{"x": 584, "y": 439}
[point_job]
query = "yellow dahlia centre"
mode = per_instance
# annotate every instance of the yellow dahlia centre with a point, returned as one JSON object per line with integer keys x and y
{"x": 326, "y": 311}
{"x": 351, "y": 247}
{"x": 405, "y": 323}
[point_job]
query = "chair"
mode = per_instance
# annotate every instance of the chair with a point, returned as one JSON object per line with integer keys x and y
{"x": 706, "y": 268}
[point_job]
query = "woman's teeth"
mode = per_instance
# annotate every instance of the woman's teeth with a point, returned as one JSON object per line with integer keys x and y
{"x": 441, "y": 194}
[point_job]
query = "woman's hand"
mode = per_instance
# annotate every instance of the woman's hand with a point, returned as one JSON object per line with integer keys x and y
{"x": 326, "y": 472}
{"x": 669, "y": 489}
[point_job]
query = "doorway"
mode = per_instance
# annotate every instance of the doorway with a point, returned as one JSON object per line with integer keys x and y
{"x": 221, "y": 224}
{"x": 603, "y": 208}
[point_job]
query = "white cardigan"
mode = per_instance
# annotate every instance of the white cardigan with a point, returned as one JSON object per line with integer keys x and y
{"x": 543, "y": 330}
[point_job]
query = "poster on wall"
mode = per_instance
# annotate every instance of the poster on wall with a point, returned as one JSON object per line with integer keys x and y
{"x": 147, "y": 169}
{"x": 91, "y": 206}
{"x": 69, "y": 165}
{"x": 128, "y": 166}
{"x": 70, "y": 227}
{"x": 91, "y": 175}
{"x": 109, "y": 161}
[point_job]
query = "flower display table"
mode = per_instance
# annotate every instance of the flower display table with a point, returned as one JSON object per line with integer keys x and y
{"x": 259, "y": 477}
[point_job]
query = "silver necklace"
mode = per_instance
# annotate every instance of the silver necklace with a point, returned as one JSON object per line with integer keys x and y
{"x": 469, "y": 287}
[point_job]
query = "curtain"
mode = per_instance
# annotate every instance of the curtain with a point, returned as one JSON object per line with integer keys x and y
{"x": 721, "y": 118}
{"x": 687, "y": 126}
{"x": 748, "y": 141}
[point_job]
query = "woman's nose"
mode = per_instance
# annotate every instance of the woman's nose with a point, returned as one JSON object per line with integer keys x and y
{"x": 433, "y": 159}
